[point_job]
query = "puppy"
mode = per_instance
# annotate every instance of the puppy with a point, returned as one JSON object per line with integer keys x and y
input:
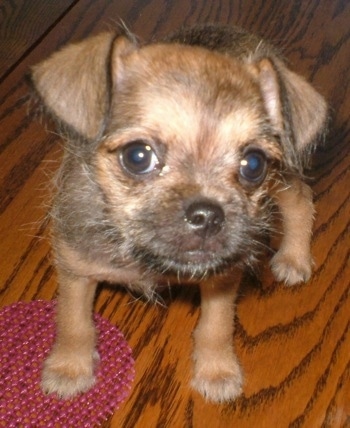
{"x": 176, "y": 152}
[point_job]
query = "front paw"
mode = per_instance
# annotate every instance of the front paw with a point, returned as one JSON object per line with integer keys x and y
{"x": 218, "y": 380}
{"x": 290, "y": 268}
{"x": 68, "y": 374}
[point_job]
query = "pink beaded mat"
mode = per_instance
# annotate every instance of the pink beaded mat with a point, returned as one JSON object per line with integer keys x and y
{"x": 26, "y": 335}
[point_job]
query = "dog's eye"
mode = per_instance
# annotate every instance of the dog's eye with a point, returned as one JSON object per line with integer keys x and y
{"x": 253, "y": 167}
{"x": 138, "y": 157}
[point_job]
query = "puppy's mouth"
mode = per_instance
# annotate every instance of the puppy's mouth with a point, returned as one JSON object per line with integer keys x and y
{"x": 199, "y": 256}
{"x": 190, "y": 264}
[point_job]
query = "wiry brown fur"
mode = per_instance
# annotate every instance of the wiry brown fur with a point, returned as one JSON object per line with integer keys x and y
{"x": 201, "y": 99}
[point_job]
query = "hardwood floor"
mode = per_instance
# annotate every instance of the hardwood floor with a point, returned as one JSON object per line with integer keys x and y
{"x": 294, "y": 343}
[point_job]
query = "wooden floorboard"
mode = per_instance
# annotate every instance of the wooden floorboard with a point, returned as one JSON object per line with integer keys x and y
{"x": 293, "y": 343}
{"x": 22, "y": 24}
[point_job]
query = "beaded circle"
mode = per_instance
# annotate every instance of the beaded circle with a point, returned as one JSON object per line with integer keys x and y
{"x": 27, "y": 332}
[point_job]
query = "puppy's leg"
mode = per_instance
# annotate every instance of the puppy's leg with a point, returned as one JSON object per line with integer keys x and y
{"x": 69, "y": 369}
{"x": 293, "y": 262}
{"x": 217, "y": 374}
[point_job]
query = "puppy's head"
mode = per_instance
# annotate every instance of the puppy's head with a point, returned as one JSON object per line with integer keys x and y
{"x": 176, "y": 150}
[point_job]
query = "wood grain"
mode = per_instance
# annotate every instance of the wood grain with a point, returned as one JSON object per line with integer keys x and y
{"x": 22, "y": 24}
{"x": 293, "y": 343}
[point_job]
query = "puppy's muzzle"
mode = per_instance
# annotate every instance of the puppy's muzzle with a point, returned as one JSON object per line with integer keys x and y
{"x": 205, "y": 218}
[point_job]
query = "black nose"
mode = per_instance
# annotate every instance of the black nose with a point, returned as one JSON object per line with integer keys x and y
{"x": 205, "y": 217}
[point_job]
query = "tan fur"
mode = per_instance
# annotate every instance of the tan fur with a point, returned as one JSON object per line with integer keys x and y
{"x": 70, "y": 367}
{"x": 293, "y": 262}
{"x": 217, "y": 373}
{"x": 200, "y": 110}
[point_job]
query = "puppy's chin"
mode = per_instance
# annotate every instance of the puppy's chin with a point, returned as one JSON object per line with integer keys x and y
{"x": 193, "y": 264}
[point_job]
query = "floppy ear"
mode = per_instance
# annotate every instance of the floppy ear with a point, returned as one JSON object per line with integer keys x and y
{"x": 75, "y": 83}
{"x": 297, "y": 112}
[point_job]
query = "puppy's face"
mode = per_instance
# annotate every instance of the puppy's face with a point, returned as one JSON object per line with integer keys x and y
{"x": 187, "y": 160}
{"x": 175, "y": 148}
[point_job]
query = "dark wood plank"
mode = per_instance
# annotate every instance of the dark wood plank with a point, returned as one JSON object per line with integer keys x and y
{"x": 294, "y": 344}
{"x": 22, "y": 24}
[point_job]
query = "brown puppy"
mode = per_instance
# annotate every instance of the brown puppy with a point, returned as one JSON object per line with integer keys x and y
{"x": 175, "y": 153}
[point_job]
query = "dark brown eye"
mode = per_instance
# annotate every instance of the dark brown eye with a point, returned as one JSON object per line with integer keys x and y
{"x": 253, "y": 166}
{"x": 139, "y": 158}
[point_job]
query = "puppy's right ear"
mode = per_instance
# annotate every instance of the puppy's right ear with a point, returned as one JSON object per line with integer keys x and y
{"x": 75, "y": 83}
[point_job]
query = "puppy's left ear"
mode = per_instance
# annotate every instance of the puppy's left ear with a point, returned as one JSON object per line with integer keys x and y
{"x": 297, "y": 111}
{"x": 75, "y": 83}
